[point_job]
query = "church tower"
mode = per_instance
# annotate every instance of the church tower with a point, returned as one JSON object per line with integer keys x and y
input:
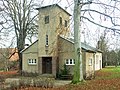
{"x": 53, "y": 22}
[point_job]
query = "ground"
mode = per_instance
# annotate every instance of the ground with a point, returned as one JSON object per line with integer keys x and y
{"x": 106, "y": 79}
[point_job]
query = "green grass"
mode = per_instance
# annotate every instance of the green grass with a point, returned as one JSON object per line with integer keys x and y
{"x": 108, "y": 73}
{"x": 111, "y": 69}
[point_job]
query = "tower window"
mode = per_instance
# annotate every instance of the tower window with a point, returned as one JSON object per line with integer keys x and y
{"x": 65, "y": 23}
{"x": 60, "y": 20}
{"x": 46, "y": 19}
{"x": 46, "y": 40}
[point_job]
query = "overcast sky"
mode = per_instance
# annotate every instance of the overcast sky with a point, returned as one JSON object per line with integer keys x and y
{"x": 92, "y": 32}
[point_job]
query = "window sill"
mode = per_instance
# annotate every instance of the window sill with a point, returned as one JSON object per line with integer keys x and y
{"x": 70, "y": 64}
{"x": 46, "y": 45}
{"x": 90, "y": 65}
{"x": 32, "y": 64}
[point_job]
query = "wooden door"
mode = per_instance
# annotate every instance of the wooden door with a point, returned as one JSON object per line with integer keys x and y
{"x": 47, "y": 65}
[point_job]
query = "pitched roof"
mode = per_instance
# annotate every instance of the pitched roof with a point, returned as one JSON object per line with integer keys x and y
{"x": 9, "y": 53}
{"x": 53, "y": 5}
{"x": 29, "y": 46}
{"x": 83, "y": 45}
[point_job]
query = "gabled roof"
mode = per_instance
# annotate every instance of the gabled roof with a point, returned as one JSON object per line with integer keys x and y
{"x": 9, "y": 53}
{"x": 87, "y": 47}
{"x": 83, "y": 45}
{"x": 53, "y": 5}
{"x": 29, "y": 46}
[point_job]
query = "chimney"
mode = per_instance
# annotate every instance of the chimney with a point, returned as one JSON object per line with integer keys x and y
{"x": 66, "y": 8}
{"x": 99, "y": 44}
{"x": 26, "y": 45}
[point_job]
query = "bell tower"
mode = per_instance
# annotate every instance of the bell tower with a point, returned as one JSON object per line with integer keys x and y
{"x": 53, "y": 21}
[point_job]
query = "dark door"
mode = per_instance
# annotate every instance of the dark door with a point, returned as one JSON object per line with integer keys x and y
{"x": 47, "y": 65}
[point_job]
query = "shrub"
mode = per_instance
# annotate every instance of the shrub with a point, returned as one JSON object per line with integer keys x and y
{"x": 64, "y": 71}
{"x": 2, "y": 79}
{"x": 29, "y": 74}
{"x": 44, "y": 82}
{"x": 37, "y": 82}
{"x": 14, "y": 85}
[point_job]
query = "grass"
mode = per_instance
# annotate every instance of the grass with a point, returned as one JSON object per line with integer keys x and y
{"x": 111, "y": 69}
{"x": 108, "y": 73}
{"x": 106, "y": 79}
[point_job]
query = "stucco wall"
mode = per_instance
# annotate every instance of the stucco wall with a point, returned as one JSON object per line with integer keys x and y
{"x": 66, "y": 51}
{"x": 89, "y": 64}
{"x": 30, "y": 53}
{"x": 98, "y": 61}
{"x": 51, "y": 29}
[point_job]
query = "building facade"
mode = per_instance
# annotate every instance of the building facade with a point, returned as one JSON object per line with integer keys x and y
{"x": 54, "y": 48}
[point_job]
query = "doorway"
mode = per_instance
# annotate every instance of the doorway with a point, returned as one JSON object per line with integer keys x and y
{"x": 47, "y": 65}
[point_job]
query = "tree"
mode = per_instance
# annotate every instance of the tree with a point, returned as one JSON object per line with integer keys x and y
{"x": 78, "y": 70}
{"x": 102, "y": 45}
{"x": 89, "y": 14}
{"x": 4, "y": 59}
{"x": 78, "y": 74}
{"x": 18, "y": 16}
{"x": 112, "y": 57}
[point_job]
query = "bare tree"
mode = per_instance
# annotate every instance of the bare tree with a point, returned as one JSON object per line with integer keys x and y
{"x": 5, "y": 56}
{"x": 18, "y": 16}
{"x": 104, "y": 14}
{"x": 96, "y": 11}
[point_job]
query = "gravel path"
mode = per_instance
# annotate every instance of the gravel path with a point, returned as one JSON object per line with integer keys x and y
{"x": 61, "y": 82}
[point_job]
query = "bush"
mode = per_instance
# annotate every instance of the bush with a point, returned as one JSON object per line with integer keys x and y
{"x": 25, "y": 82}
{"x": 14, "y": 85}
{"x": 64, "y": 71}
{"x": 44, "y": 82}
{"x": 29, "y": 74}
{"x": 37, "y": 82}
{"x": 2, "y": 79}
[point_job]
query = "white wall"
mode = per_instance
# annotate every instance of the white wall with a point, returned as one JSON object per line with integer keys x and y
{"x": 98, "y": 61}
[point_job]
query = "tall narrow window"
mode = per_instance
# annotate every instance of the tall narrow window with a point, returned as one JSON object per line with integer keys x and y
{"x": 90, "y": 62}
{"x": 60, "y": 20}
{"x": 46, "y": 19}
{"x": 65, "y": 23}
{"x": 46, "y": 40}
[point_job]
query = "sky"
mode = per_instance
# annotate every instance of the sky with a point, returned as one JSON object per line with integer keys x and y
{"x": 90, "y": 33}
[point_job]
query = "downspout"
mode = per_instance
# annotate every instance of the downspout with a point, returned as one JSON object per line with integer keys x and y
{"x": 94, "y": 65}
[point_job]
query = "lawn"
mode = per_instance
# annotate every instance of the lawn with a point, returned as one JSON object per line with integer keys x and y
{"x": 106, "y": 79}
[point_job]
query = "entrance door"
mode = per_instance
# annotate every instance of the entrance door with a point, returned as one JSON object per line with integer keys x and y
{"x": 46, "y": 65}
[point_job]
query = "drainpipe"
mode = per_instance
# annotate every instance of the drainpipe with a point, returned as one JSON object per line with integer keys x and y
{"x": 94, "y": 65}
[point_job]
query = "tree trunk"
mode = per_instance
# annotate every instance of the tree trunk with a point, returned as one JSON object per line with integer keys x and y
{"x": 78, "y": 71}
{"x": 20, "y": 46}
